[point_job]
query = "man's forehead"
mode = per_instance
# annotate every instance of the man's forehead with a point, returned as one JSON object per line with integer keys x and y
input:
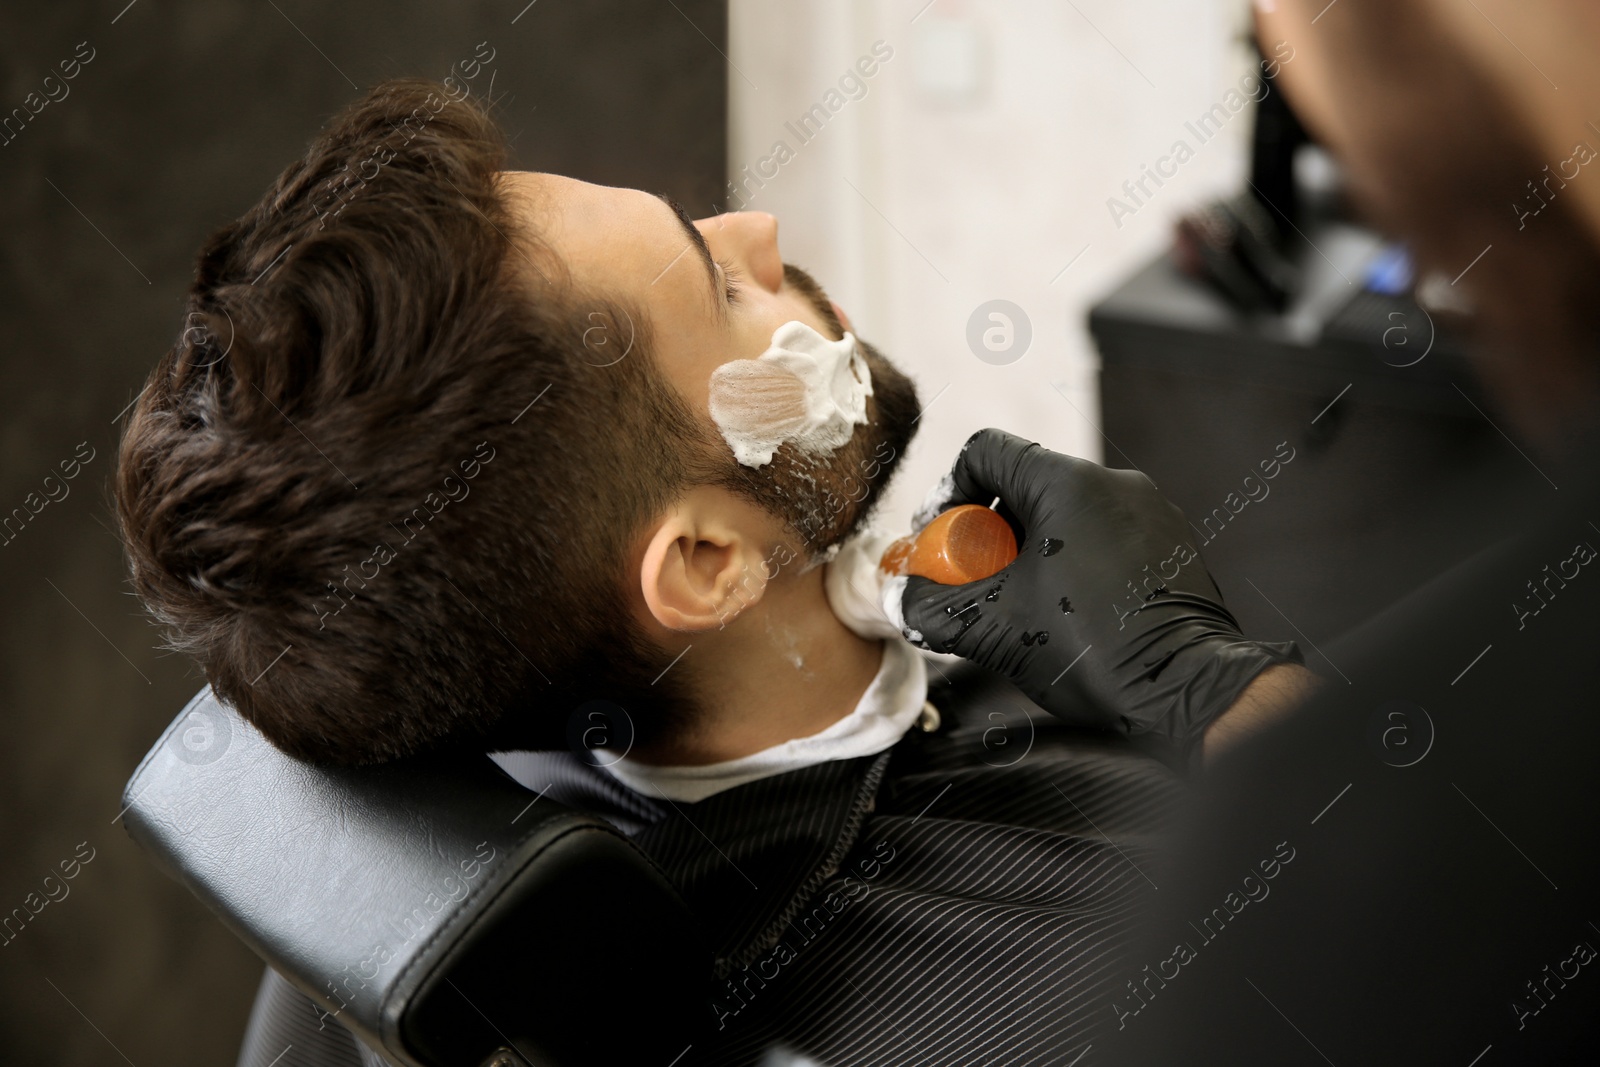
{"x": 569, "y": 210}
{"x": 597, "y": 230}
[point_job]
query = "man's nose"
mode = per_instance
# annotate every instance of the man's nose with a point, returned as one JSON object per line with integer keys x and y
{"x": 749, "y": 240}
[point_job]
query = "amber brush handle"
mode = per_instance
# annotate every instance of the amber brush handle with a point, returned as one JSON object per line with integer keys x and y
{"x": 964, "y": 544}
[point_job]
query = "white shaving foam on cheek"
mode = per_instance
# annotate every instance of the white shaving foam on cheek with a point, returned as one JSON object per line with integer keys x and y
{"x": 803, "y": 389}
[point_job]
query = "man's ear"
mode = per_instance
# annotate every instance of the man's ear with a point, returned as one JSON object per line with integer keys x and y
{"x": 703, "y": 564}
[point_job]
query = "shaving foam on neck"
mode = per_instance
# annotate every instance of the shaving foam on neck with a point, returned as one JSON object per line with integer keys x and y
{"x": 861, "y": 594}
{"x": 803, "y": 389}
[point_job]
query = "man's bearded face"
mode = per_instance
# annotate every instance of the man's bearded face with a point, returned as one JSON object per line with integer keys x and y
{"x": 715, "y": 290}
{"x": 825, "y": 498}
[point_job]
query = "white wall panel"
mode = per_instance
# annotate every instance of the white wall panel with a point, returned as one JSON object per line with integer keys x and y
{"x": 977, "y": 165}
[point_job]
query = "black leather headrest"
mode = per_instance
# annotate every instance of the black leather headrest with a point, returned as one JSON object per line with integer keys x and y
{"x": 434, "y": 907}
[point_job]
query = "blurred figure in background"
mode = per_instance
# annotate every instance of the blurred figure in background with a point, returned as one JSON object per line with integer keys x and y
{"x": 1403, "y": 872}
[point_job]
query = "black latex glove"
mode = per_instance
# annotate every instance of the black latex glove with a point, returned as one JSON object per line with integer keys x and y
{"x": 1108, "y": 617}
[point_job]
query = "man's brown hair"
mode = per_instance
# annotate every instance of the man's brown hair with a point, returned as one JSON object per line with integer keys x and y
{"x": 382, "y": 484}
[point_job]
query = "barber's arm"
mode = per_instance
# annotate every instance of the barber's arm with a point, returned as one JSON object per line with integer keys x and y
{"x": 1273, "y": 693}
{"x": 1108, "y": 617}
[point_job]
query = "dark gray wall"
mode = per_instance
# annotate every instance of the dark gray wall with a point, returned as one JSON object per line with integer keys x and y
{"x": 179, "y": 121}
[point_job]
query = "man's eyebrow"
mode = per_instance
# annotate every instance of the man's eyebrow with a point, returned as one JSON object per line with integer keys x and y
{"x": 698, "y": 240}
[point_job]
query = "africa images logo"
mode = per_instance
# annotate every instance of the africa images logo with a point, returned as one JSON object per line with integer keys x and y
{"x": 202, "y": 737}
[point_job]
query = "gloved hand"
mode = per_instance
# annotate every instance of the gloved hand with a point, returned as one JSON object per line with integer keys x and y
{"x": 1108, "y": 617}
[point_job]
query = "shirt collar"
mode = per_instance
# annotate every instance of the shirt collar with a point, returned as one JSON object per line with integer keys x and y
{"x": 891, "y": 703}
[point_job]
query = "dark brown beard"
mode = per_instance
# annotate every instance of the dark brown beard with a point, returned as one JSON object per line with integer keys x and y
{"x": 826, "y": 498}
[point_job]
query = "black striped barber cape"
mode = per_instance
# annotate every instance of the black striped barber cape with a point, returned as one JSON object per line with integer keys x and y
{"x": 962, "y": 898}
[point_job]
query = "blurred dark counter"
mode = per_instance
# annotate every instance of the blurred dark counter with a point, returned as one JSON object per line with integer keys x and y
{"x": 1394, "y": 454}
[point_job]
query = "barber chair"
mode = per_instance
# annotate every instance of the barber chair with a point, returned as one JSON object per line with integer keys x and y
{"x": 436, "y": 909}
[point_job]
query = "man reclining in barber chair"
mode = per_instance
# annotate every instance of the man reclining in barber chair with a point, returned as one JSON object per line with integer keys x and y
{"x": 455, "y": 457}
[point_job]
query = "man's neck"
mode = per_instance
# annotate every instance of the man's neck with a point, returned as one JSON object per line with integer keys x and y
{"x": 785, "y": 668}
